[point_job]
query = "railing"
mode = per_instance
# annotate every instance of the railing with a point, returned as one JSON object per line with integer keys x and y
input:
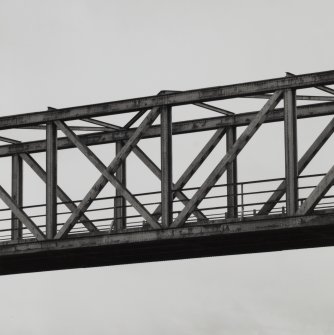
{"x": 252, "y": 195}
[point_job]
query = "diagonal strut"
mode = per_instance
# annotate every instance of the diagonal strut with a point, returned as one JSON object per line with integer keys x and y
{"x": 319, "y": 191}
{"x": 157, "y": 172}
{"x": 195, "y": 164}
{"x": 102, "y": 181}
{"x": 60, "y": 193}
{"x": 228, "y": 158}
{"x": 107, "y": 175}
{"x": 303, "y": 162}
{"x": 21, "y": 215}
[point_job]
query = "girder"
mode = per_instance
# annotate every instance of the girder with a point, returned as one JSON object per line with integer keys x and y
{"x": 178, "y": 128}
{"x": 176, "y": 99}
{"x": 176, "y": 221}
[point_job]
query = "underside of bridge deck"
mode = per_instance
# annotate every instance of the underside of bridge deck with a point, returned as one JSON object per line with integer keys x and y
{"x": 215, "y": 239}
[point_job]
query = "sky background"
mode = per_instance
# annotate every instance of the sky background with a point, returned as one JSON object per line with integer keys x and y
{"x": 67, "y": 53}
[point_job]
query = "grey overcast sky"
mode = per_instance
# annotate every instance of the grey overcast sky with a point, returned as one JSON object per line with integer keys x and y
{"x": 64, "y": 53}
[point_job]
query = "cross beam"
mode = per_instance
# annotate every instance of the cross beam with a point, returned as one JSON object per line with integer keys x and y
{"x": 191, "y": 126}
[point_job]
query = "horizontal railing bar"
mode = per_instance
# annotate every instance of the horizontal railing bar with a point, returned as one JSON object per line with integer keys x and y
{"x": 183, "y": 189}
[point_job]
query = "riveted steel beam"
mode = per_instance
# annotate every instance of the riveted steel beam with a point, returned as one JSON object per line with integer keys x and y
{"x": 184, "y": 127}
{"x": 174, "y": 99}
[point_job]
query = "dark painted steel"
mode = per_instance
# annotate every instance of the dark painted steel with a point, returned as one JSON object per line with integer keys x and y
{"x": 291, "y": 159}
{"x": 183, "y": 127}
{"x": 17, "y": 194}
{"x": 200, "y": 229}
{"x": 107, "y": 175}
{"x": 227, "y": 159}
{"x": 60, "y": 193}
{"x": 166, "y": 167}
{"x": 51, "y": 180}
{"x": 120, "y": 203}
{"x": 231, "y": 176}
{"x": 302, "y": 164}
{"x": 21, "y": 215}
{"x": 318, "y": 192}
{"x": 261, "y": 235}
{"x": 175, "y": 99}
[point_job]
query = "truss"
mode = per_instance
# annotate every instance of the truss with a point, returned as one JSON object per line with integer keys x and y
{"x": 176, "y": 225}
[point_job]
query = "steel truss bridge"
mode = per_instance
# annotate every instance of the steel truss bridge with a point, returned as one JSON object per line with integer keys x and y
{"x": 214, "y": 218}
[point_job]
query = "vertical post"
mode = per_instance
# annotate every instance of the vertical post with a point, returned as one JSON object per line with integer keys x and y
{"x": 242, "y": 200}
{"x": 231, "y": 176}
{"x": 51, "y": 180}
{"x": 120, "y": 203}
{"x": 290, "y": 140}
{"x": 166, "y": 167}
{"x": 17, "y": 194}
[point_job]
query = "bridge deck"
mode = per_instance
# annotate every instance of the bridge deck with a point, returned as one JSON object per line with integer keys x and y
{"x": 213, "y": 239}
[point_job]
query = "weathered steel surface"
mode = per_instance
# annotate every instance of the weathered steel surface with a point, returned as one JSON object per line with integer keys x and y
{"x": 166, "y": 167}
{"x": 291, "y": 159}
{"x": 107, "y": 175}
{"x": 119, "y": 202}
{"x": 216, "y": 228}
{"x": 303, "y": 162}
{"x": 17, "y": 194}
{"x": 20, "y": 214}
{"x": 51, "y": 180}
{"x": 231, "y": 176}
{"x": 157, "y": 172}
{"x": 181, "y": 98}
{"x": 318, "y": 192}
{"x": 227, "y": 159}
{"x": 60, "y": 193}
{"x": 221, "y": 238}
{"x": 184, "y": 127}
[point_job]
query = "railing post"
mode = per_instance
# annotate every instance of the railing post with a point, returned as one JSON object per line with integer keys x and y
{"x": 51, "y": 180}
{"x": 242, "y": 200}
{"x": 231, "y": 176}
{"x": 291, "y": 163}
{"x": 17, "y": 194}
{"x": 120, "y": 203}
{"x": 166, "y": 167}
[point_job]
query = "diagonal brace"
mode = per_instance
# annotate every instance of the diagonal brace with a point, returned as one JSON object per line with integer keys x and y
{"x": 157, "y": 172}
{"x": 60, "y": 193}
{"x": 103, "y": 169}
{"x": 319, "y": 191}
{"x": 194, "y": 166}
{"x": 227, "y": 159}
{"x": 303, "y": 162}
{"x": 21, "y": 215}
{"x": 102, "y": 181}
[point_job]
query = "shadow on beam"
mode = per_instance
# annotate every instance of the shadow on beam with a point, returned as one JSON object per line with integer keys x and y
{"x": 169, "y": 249}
